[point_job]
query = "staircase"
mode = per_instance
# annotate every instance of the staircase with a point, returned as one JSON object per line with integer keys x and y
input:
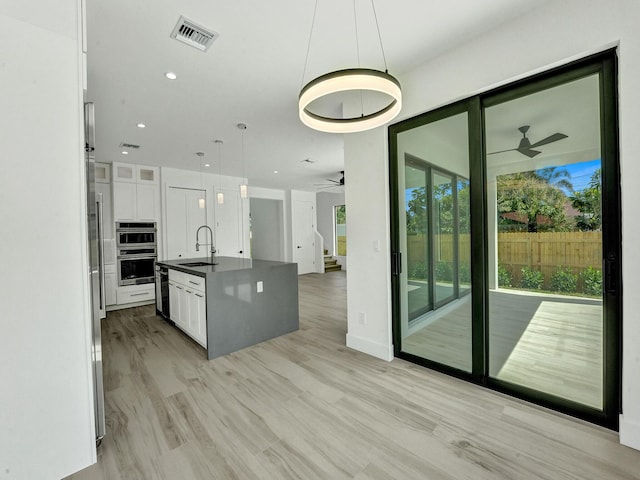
{"x": 330, "y": 263}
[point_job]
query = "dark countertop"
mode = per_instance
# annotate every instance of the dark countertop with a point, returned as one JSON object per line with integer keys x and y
{"x": 223, "y": 264}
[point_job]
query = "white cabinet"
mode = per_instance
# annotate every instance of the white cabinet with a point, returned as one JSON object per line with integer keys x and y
{"x": 232, "y": 229}
{"x": 110, "y": 284}
{"x": 136, "y": 192}
{"x": 136, "y": 294}
{"x": 187, "y": 304}
{"x": 184, "y": 216}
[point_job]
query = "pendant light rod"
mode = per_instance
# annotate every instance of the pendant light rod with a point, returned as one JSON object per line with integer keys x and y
{"x": 220, "y": 195}
{"x": 244, "y": 191}
{"x": 384, "y": 57}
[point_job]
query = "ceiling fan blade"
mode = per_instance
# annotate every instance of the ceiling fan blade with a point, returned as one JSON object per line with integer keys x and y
{"x": 529, "y": 153}
{"x": 502, "y": 151}
{"x": 550, "y": 139}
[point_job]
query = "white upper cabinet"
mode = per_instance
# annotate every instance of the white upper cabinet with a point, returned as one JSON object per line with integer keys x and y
{"x": 136, "y": 192}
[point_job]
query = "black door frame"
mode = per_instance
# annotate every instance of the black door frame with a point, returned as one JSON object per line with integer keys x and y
{"x": 606, "y": 65}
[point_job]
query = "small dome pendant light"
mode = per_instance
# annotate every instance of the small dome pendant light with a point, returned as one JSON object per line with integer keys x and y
{"x": 244, "y": 188}
{"x": 350, "y": 80}
{"x": 219, "y": 195}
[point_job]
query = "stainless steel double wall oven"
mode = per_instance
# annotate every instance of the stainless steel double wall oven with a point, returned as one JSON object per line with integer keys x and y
{"x": 137, "y": 252}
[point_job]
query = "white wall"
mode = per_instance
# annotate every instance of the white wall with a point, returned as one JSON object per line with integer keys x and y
{"x": 552, "y": 35}
{"x": 46, "y": 405}
{"x": 326, "y": 202}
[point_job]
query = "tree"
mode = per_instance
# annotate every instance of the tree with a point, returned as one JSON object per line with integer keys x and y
{"x": 587, "y": 202}
{"x": 535, "y": 198}
{"x": 442, "y": 196}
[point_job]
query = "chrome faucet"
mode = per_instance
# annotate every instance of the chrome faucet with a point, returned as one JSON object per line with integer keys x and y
{"x": 213, "y": 249}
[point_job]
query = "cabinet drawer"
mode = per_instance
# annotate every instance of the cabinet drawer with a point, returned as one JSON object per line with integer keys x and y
{"x": 195, "y": 282}
{"x": 177, "y": 277}
{"x": 135, "y": 293}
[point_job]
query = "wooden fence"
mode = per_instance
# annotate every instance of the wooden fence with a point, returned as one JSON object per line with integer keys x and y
{"x": 342, "y": 245}
{"x": 547, "y": 251}
{"x": 539, "y": 251}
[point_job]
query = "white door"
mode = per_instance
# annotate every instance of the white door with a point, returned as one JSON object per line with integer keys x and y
{"x": 184, "y": 216}
{"x": 304, "y": 247}
{"x": 229, "y": 223}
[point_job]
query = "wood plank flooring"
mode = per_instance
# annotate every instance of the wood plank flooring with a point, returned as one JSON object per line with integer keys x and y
{"x": 303, "y": 406}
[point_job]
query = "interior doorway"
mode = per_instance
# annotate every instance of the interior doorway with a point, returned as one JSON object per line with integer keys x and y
{"x": 267, "y": 229}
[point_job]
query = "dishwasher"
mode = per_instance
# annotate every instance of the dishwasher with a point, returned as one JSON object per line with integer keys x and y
{"x": 162, "y": 291}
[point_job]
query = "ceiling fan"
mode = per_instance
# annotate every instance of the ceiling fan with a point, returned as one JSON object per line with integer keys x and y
{"x": 333, "y": 184}
{"x": 527, "y": 148}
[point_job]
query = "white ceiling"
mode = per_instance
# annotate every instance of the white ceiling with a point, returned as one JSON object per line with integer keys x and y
{"x": 252, "y": 74}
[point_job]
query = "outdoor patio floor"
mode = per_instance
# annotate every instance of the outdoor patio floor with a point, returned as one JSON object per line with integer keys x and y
{"x": 550, "y": 343}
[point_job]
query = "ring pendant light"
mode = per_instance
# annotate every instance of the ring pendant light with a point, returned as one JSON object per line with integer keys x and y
{"x": 352, "y": 79}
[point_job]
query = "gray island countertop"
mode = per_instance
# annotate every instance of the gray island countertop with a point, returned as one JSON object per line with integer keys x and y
{"x": 222, "y": 264}
{"x": 247, "y": 301}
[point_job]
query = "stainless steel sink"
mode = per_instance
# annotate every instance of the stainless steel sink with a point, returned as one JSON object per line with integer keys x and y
{"x": 197, "y": 264}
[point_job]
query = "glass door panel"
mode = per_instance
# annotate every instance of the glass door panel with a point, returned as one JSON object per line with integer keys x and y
{"x": 432, "y": 173}
{"x": 545, "y": 241}
{"x": 443, "y": 237}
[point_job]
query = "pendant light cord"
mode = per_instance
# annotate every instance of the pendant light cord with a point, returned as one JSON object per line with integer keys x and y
{"x": 384, "y": 58}
{"x": 306, "y": 59}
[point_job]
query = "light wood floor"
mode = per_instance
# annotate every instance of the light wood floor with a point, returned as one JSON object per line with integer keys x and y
{"x": 551, "y": 343}
{"x": 304, "y": 406}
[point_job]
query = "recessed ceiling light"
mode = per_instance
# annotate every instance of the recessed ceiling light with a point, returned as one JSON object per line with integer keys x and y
{"x": 275, "y": 171}
{"x": 171, "y": 75}
{"x": 124, "y": 152}
{"x": 207, "y": 165}
{"x": 140, "y": 125}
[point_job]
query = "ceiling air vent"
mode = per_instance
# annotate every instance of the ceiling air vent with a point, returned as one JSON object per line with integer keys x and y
{"x": 128, "y": 145}
{"x": 193, "y": 34}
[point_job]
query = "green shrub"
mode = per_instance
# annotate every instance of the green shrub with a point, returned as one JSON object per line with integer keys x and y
{"x": 465, "y": 273}
{"x": 418, "y": 271}
{"x": 444, "y": 272}
{"x": 504, "y": 276}
{"x": 563, "y": 280}
{"x": 531, "y": 279}
{"x": 592, "y": 278}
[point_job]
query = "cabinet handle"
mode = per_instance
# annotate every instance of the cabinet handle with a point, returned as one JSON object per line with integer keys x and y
{"x": 194, "y": 283}
{"x": 179, "y": 288}
{"x": 138, "y": 294}
{"x": 198, "y": 295}
{"x": 188, "y": 291}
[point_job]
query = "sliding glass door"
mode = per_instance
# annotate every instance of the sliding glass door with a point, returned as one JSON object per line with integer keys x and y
{"x": 433, "y": 247}
{"x": 506, "y": 240}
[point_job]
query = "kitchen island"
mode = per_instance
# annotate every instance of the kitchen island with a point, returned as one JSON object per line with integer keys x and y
{"x": 233, "y": 303}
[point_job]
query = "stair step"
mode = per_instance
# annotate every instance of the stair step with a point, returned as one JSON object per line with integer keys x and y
{"x": 333, "y": 268}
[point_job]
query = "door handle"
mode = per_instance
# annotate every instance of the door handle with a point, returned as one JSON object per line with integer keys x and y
{"x": 299, "y": 246}
{"x": 396, "y": 263}
{"x": 611, "y": 283}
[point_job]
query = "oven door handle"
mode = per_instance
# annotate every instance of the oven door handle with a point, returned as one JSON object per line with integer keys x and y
{"x": 137, "y": 257}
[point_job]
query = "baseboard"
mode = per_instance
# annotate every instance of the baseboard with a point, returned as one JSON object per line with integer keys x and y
{"x": 378, "y": 350}
{"x": 629, "y": 433}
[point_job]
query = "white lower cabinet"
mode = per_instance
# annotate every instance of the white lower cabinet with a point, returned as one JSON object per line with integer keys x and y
{"x": 136, "y": 293}
{"x": 187, "y": 304}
